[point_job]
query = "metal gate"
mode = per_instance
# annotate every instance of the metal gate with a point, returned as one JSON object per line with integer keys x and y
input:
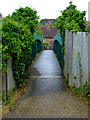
{"x": 57, "y": 44}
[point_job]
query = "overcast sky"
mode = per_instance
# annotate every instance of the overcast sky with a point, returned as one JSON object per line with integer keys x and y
{"x": 49, "y": 9}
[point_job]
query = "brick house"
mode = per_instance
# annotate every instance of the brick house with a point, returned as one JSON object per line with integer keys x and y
{"x": 48, "y": 33}
{"x": 44, "y": 21}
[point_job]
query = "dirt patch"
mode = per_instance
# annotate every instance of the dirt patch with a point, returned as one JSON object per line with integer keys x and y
{"x": 60, "y": 104}
{"x": 15, "y": 97}
{"x": 70, "y": 91}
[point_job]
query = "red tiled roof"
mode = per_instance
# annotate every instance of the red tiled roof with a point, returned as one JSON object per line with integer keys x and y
{"x": 49, "y": 31}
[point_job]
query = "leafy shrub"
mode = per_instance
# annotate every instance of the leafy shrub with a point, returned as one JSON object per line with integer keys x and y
{"x": 18, "y": 36}
{"x": 83, "y": 91}
{"x": 72, "y": 20}
{"x": 28, "y": 16}
{"x": 45, "y": 43}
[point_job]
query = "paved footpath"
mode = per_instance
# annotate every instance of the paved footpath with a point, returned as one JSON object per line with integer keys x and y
{"x": 48, "y": 97}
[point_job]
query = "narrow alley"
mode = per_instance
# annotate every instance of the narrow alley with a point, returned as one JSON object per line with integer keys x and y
{"x": 48, "y": 97}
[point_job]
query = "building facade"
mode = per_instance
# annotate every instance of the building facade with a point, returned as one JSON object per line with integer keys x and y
{"x": 48, "y": 33}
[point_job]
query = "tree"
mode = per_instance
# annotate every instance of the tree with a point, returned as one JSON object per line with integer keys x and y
{"x": 72, "y": 20}
{"x": 18, "y": 32}
{"x": 27, "y": 16}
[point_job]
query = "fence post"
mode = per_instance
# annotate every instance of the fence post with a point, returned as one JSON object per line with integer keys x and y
{"x": 8, "y": 80}
{"x": 89, "y": 42}
{"x": 89, "y": 58}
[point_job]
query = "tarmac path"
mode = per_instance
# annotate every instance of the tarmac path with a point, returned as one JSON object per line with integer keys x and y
{"x": 48, "y": 98}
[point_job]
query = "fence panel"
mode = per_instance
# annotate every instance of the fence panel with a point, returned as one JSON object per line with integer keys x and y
{"x": 76, "y": 57}
{"x": 8, "y": 82}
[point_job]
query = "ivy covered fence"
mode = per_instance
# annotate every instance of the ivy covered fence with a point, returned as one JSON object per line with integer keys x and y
{"x": 18, "y": 31}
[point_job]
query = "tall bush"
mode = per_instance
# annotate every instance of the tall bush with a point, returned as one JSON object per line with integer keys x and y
{"x": 18, "y": 36}
{"x": 72, "y": 20}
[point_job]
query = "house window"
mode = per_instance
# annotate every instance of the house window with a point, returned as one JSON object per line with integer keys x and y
{"x": 44, "y": 39}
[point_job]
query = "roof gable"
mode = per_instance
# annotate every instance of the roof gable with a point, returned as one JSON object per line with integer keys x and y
{"x": 49, "y": 31}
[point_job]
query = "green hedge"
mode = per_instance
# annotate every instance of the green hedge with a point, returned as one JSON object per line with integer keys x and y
{"x": 18, "y": 38}
{"x": 73, "y": 20}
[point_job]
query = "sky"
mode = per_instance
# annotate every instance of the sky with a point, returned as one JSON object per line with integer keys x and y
{"x": 49, "y": 9}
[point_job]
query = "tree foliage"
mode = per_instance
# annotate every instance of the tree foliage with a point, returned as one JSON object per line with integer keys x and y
{"x": 27, "y": 16}
{"x": 72, "y": 20}
{"x": 18, "y": 37}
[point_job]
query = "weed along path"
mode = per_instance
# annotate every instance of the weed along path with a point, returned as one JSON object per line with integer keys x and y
{"x": 48, "y": 97}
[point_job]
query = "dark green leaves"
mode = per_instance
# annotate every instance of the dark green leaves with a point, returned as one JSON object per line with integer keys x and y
{"x": 72, "y": 20}
{"x": 27, "y": 16}
{"x": 18, "y": 36}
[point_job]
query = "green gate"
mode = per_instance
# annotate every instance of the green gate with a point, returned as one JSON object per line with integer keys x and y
{"x": 36, "y": 46}
{"x": 38, "y": 40}
{"x": 33, "y": 55}
{"x": 57, "y": 43}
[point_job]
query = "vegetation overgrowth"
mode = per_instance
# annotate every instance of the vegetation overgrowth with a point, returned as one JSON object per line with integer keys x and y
{"x": 73, "y": 20}
{"x": 82, "y": 92}
{"x": 18, "y": 32}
